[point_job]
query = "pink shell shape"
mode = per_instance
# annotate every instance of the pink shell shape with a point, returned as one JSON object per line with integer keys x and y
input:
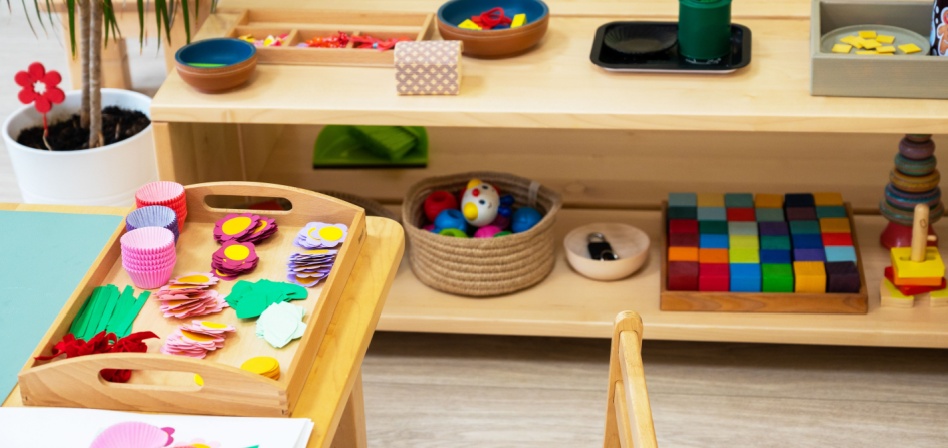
{"x": 133, "y": 435}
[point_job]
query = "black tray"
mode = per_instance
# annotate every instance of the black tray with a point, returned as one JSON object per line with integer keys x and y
{"x": 670, "y": 60}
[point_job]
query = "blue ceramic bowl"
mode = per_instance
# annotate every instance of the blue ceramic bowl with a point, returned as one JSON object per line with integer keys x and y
{"x": 216, "y": 65}
{"x": 456, "y": 11}
{"x": 221, "y": 52}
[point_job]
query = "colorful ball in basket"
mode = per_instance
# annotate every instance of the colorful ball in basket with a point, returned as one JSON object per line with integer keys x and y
{"x": 450, "y": 219}
{"x": 148, "y": 255}
{"x": 165, "y": 193}
{"x": 153, "y": 216}
{"x": 438, "y": 201}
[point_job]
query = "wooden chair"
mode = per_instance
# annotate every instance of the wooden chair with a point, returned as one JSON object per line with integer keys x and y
{"x": 628, "y": 415}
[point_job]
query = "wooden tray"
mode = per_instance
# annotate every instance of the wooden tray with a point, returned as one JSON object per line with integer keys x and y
{"x": 166, "y": 383}
{"x": 302, "y": 25}
{"x": 763, "y": 302}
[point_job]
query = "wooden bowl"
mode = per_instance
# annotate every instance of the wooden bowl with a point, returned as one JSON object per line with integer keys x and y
{"x": 494, "y": 43}
{"x": 216, "y": 65}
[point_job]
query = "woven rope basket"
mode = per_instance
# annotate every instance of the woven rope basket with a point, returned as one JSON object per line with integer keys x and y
{"x": 481, "y": 267}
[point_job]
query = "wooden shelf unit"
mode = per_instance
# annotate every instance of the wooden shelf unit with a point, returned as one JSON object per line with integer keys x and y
{"x": 613, "y": 144}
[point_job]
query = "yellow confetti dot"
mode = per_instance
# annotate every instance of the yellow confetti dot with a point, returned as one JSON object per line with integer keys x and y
{"x": 237, "y": 252}
{"x": 198, "y": 380}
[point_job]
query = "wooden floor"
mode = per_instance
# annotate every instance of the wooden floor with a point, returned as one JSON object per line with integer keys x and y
{"x": 427, "y": 390}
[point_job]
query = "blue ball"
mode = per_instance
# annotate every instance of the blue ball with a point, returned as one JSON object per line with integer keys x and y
{"x": 524, "y": 219}
{"x": 450, "y": 219}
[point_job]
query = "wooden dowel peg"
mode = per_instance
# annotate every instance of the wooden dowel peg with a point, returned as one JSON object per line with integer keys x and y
{"x": 920, "y": 232}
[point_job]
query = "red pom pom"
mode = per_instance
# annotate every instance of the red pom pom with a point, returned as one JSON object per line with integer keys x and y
{"x": 438, "y": 201}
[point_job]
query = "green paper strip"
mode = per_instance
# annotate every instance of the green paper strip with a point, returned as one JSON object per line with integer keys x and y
{"x": 205, "y": 64}
{"x": 110, "y": 302}
{"x": 77, "y": 321}
{"x": 126, "y": 328}
{"x": 125, "y": 302}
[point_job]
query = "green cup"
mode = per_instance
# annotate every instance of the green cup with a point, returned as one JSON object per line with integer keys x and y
{"x": 704, "y": 29}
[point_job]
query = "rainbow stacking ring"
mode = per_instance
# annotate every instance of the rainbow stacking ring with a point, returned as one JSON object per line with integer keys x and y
{"x": 908, "y": 201}
{"x": 905, "y": 217}
{"x": 915, "y": 167}
{"x": 915, "y": 149}
{"x": 914, "y": 184}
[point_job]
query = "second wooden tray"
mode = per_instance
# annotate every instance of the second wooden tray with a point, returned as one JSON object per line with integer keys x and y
{"x": 165, "y": 383}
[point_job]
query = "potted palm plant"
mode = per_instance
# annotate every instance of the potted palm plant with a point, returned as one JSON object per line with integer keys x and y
{"x": 97, "y": 148}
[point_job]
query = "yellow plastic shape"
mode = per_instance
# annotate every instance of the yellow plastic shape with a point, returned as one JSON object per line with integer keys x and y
{"x": 469, "y": 25}
{"x": 852, "y": 40}
{"x": 885, "y": 39}
{"x": 866, "y": 52}
{"x": 835, "y": 225}
{"x": 886, "y": 49}
{"x": 867, "y": 34}
{"x": 809, "y": 276}
{"x": 828, "y": 198}
{"x": 909, "y": 48}
{"x": 870, "y": 44}
{"x": 766, "y": 200}
{"x": 842, "y": 48}
{"x": 710, "y": 200}
{"x": 518, "y": 20}
{"x": 904, "y": 267}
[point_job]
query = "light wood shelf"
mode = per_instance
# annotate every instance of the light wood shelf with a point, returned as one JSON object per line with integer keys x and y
{"x": 567, "y": 304}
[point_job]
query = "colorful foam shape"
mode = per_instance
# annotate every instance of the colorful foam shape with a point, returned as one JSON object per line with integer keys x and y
{"x": 712, "y": 214}
{"x": 713, "y": 277}
{"x": 742, "y": 228}
{"x": 809, "y": 276}
{"x": 738, "y": 200}
{"x": 798, "y": 200}
{"x": 745, "y": 277}
{"x": 775, "y": 242}
{"x": 773, "y": 228}
{"x": 742, "y": 255}
{"x": 776, "y": 277}
{"x": 842, "y": 276}
{"x": 809, "y": 255}
{"x": 713, "y": 227}
{"x": 682, "y": 226}
{"x": 679, "y": 212}
{"x": 800, "y": 213}
{"x": 713, "y": 241}
{"x": 683, "y": 239}
{"x": 710, "y": 200}
{"x": 807, "y": 241}
{"x": 766, "y": 200}
{"x": 713, "y": 256}
{"x": 741, "y": 214}
{"x": 682, "y": 200}
{"x": 769, "y": 214}
{"x": 840, "y": 253}
{"x": 682, "y": 276}
{"x": 837, "y": 239}
{"x": 835, "y": 225}
{"x": 804, "y": 227}
{"x": 775, "y": 256}
{"x": 831, "y": 211}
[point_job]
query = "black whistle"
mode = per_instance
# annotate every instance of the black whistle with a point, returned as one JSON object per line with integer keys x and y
{"x": 599, "y": 248}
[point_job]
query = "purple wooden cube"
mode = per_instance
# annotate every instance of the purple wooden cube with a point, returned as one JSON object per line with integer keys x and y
{"x": 801, "y": 214}
{"x": 773, "y": 229}
{"x": 842, "y": 276}
{"x": 809, "y": 255}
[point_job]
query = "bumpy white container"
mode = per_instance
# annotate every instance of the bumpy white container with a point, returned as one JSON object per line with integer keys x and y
{"x": 108, "y": 175}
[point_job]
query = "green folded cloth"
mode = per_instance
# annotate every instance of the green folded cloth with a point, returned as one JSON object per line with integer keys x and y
{"x": 389, "y": 142}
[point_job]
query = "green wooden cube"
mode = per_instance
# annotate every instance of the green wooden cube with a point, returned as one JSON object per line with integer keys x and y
{"x": 776, "y": 277}
{"x": 712, "y": 227}
{"x": 775, "y": 242}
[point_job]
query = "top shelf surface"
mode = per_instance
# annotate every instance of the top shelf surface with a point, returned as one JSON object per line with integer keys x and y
{"x": 556, "y": 86}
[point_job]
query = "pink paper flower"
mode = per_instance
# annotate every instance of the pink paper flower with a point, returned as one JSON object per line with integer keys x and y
{"x": 40, "y": 87}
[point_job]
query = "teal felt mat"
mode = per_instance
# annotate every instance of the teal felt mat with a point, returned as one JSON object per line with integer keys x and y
{"x": 43, "y": 256}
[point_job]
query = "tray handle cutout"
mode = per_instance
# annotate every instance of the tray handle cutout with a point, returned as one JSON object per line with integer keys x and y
{"x": 304, "y": 204}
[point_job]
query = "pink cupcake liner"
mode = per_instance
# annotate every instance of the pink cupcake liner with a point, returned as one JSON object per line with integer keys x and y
{"x": 140, "y": 265}
{"x": 150, "y": 279}
{"x": 137, "y": 256}
{"x": 148, "y": 240}
{"x": 160, "y": 193}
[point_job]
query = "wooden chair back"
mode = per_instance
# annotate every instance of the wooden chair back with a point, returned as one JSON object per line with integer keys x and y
{"x": 629, "y": 414}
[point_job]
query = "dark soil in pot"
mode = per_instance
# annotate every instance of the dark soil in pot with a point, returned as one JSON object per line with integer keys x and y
{"x": 117, "y": 124}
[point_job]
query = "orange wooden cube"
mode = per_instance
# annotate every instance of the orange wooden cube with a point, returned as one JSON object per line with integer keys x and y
{"x": 712, "y": 256}
{"x": 682, "y": 253}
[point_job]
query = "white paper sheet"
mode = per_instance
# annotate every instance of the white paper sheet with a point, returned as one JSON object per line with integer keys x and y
{"x": 31, "y": 427}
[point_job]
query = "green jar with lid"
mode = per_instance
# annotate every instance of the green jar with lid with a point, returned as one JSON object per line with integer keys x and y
{"x": 704, "y": 29}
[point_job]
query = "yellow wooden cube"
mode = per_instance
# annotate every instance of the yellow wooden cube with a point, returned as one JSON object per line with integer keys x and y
{"x": 885, "y": 39}
{"x": 809, "y": 276}
{"x": 827, "y": 198}
{"x": 867, "y": 34}
{"x": 891, "y": 296}
{"x": 743, "y": 242}
{"x": 743, "y": 255}
{"x": 904, "y": 267}
{"x": 518, "y": 20}
{"x": 909, "y": 48}
{"x": 842, "y": 48}
{"x": 710, "y": 200}
{"x": 886, "y": 49}
{"x": 764, "y": 200}
{"x": 870, "y": 44}
{"x": 834, "y": 225}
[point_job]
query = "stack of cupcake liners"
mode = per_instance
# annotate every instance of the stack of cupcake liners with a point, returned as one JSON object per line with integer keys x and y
{"x": 153, "y": 216}
{"x": 148, "y": 255}
{"x": 168, "y": 194}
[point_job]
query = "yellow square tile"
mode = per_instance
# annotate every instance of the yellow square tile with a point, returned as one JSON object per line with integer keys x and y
{"x": 867, "y": 34}
{"x": 835, "y": 225}
{"x": 870, "y": 44}
{"x": 864, "y": 52}
{"x": 909, "y": 48}
{"x": 851, "y": 40}
{"x": 886, "y": 49}
{"x": 842, "y": 48}
{"x": 885, "y": 39}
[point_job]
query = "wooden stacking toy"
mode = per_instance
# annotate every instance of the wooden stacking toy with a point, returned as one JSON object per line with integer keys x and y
{"x": 916, "y": 271}
{"x": 913, "y": 180}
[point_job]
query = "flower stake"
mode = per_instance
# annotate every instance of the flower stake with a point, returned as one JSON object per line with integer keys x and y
{"x": 40, "y": 88}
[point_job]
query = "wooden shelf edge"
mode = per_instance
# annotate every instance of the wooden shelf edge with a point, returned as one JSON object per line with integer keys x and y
{"x": 567, "y": 305}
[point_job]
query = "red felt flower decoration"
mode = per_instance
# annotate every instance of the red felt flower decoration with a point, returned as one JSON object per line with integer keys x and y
{"x": 102, "y": 343}
{"x": 35, "y": 77}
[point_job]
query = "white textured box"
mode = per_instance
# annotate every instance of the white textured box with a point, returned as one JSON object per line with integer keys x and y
{"x": 430, "y": 67}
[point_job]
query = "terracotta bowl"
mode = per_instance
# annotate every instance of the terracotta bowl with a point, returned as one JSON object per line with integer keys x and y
{"x": 495, "y": 43}
{"x": 216, "y": 65}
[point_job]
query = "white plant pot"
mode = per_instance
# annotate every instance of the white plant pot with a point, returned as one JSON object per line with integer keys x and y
{"x": 108, "y": 175}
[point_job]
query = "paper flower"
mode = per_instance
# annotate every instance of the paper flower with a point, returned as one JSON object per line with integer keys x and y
{"x": 40, "y": 87}
{"x": 201, "y": 443}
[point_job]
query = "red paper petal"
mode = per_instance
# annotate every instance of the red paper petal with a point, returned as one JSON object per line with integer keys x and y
{"x": 27, "y": 95}
{"x": 52, "y": 79}
{"x": 55, "y": 95}
{"x": 23, "y": 79}
{"x": 42, "y": 104}
{"x": 37, "y": 71}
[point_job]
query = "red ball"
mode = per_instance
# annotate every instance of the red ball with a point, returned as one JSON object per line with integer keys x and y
{"x": 438, "y": 201}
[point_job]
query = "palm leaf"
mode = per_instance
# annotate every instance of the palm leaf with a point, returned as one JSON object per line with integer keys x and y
{"x": 30, "y": 22}
{"x": 141, "y": 24}
{"x": 71, "y": 12}
{"x": 187, "y": 20}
